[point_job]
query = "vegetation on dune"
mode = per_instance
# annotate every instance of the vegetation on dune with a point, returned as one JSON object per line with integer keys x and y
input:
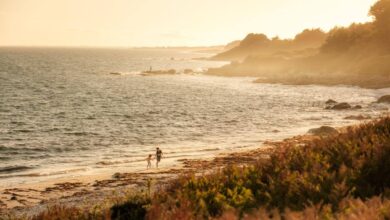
{"x": 346, "y": 176}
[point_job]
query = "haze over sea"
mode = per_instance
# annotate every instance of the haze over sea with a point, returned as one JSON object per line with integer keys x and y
{"x": 62, "y": 113}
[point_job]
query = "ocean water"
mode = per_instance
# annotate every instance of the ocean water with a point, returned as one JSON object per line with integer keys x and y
{"x": 63, "y": 114}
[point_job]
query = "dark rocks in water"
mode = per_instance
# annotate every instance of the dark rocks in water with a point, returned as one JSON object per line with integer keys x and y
{"x": 330, "y": 102}
{"x": 341, "y": 106}
{"x": 357, "y": 117}
{"x": 159, "y": 72}
{"x": 323, "y": 131}
{"x": 384, "y": 99}
{"x": 188, "y": 71}
{"x": 171, "y": 71}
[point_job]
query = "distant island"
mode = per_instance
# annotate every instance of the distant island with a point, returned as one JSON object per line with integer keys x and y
{"x": 355, "y": 55}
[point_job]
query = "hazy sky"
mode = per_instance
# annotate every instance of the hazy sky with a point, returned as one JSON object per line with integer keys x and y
{"x": 166, "y": 22}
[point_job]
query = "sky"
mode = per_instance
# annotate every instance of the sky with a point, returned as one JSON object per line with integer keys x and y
{"x": 137, "y": 23}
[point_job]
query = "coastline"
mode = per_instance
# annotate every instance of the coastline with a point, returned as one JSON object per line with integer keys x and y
{"x": 31, "y": 199}
{"x": 362, "y": 83}
{"x": 373, "y": 82}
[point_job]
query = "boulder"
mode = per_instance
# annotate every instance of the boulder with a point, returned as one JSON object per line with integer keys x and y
{"x": 384, "y": 99}
{"x": 323, "y": 131}
{"x": 330, "y": 102}
{"x": 357, "y": 107}
{"x": 341, "y": 106}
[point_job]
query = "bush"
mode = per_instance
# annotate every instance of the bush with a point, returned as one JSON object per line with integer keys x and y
{"x": 135, "y": 208}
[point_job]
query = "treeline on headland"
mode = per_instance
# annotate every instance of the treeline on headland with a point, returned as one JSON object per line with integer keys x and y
{"x": 357, "y": 55}
{"x": 343, "y": 176}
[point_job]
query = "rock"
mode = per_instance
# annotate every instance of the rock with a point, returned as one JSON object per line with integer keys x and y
{"x": 357, "y": 117}
{"x": 188, "y": 71}
{"x": 357, "y": 107}
{"x": 330, "y": 102}
{"x": 116, "y": 176}
{"x": 384, "y": 99}
{"x": 323, "y": 131}
{"x": 341, "y": 106}
{"x": 171, "y": 71}
{"x": 159, "y": 72}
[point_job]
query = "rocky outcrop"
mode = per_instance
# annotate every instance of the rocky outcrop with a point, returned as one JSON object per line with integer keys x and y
{"x": 357, "y": 117}
{"x": 341, "y": 106}
{"x": 159, "y": 72}
{"x": 384, "y": 99}
{"x": 323, "y": 131}
{"x": 332, "y": 104}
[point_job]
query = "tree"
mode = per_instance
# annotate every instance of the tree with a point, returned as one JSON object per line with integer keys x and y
{"x": 381, "y": 12}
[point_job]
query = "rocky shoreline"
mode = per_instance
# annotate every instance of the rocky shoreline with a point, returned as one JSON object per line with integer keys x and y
{"x": 98, "y": 190}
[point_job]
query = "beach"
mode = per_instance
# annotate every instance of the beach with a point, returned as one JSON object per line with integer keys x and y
{"x": 94, "y": 191}
{"x": 30, "y": 199}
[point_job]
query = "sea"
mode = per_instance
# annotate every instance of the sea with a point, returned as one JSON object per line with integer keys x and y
{"x": 84, "y": 111}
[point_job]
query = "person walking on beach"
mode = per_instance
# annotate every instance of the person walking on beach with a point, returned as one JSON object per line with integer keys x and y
{"x": 158, "y": 156}
{"x": 149, "y": 160}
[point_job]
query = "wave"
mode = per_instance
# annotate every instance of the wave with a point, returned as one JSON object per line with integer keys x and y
{"x": 125, "y": 73}
{"x": 81, "y": 133}
{"x": 12, "y": 169}
{"x": 22, "y": 131}
{"x": 18, "y": 123}
{"x": 21, "y": 149}
{"x": 28, "y": 150}
{"x": 61, "y": 172}
{"x": 4, "y": 158}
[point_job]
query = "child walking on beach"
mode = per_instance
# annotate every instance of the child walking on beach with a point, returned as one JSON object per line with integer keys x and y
{"x": 149, "y": 160}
